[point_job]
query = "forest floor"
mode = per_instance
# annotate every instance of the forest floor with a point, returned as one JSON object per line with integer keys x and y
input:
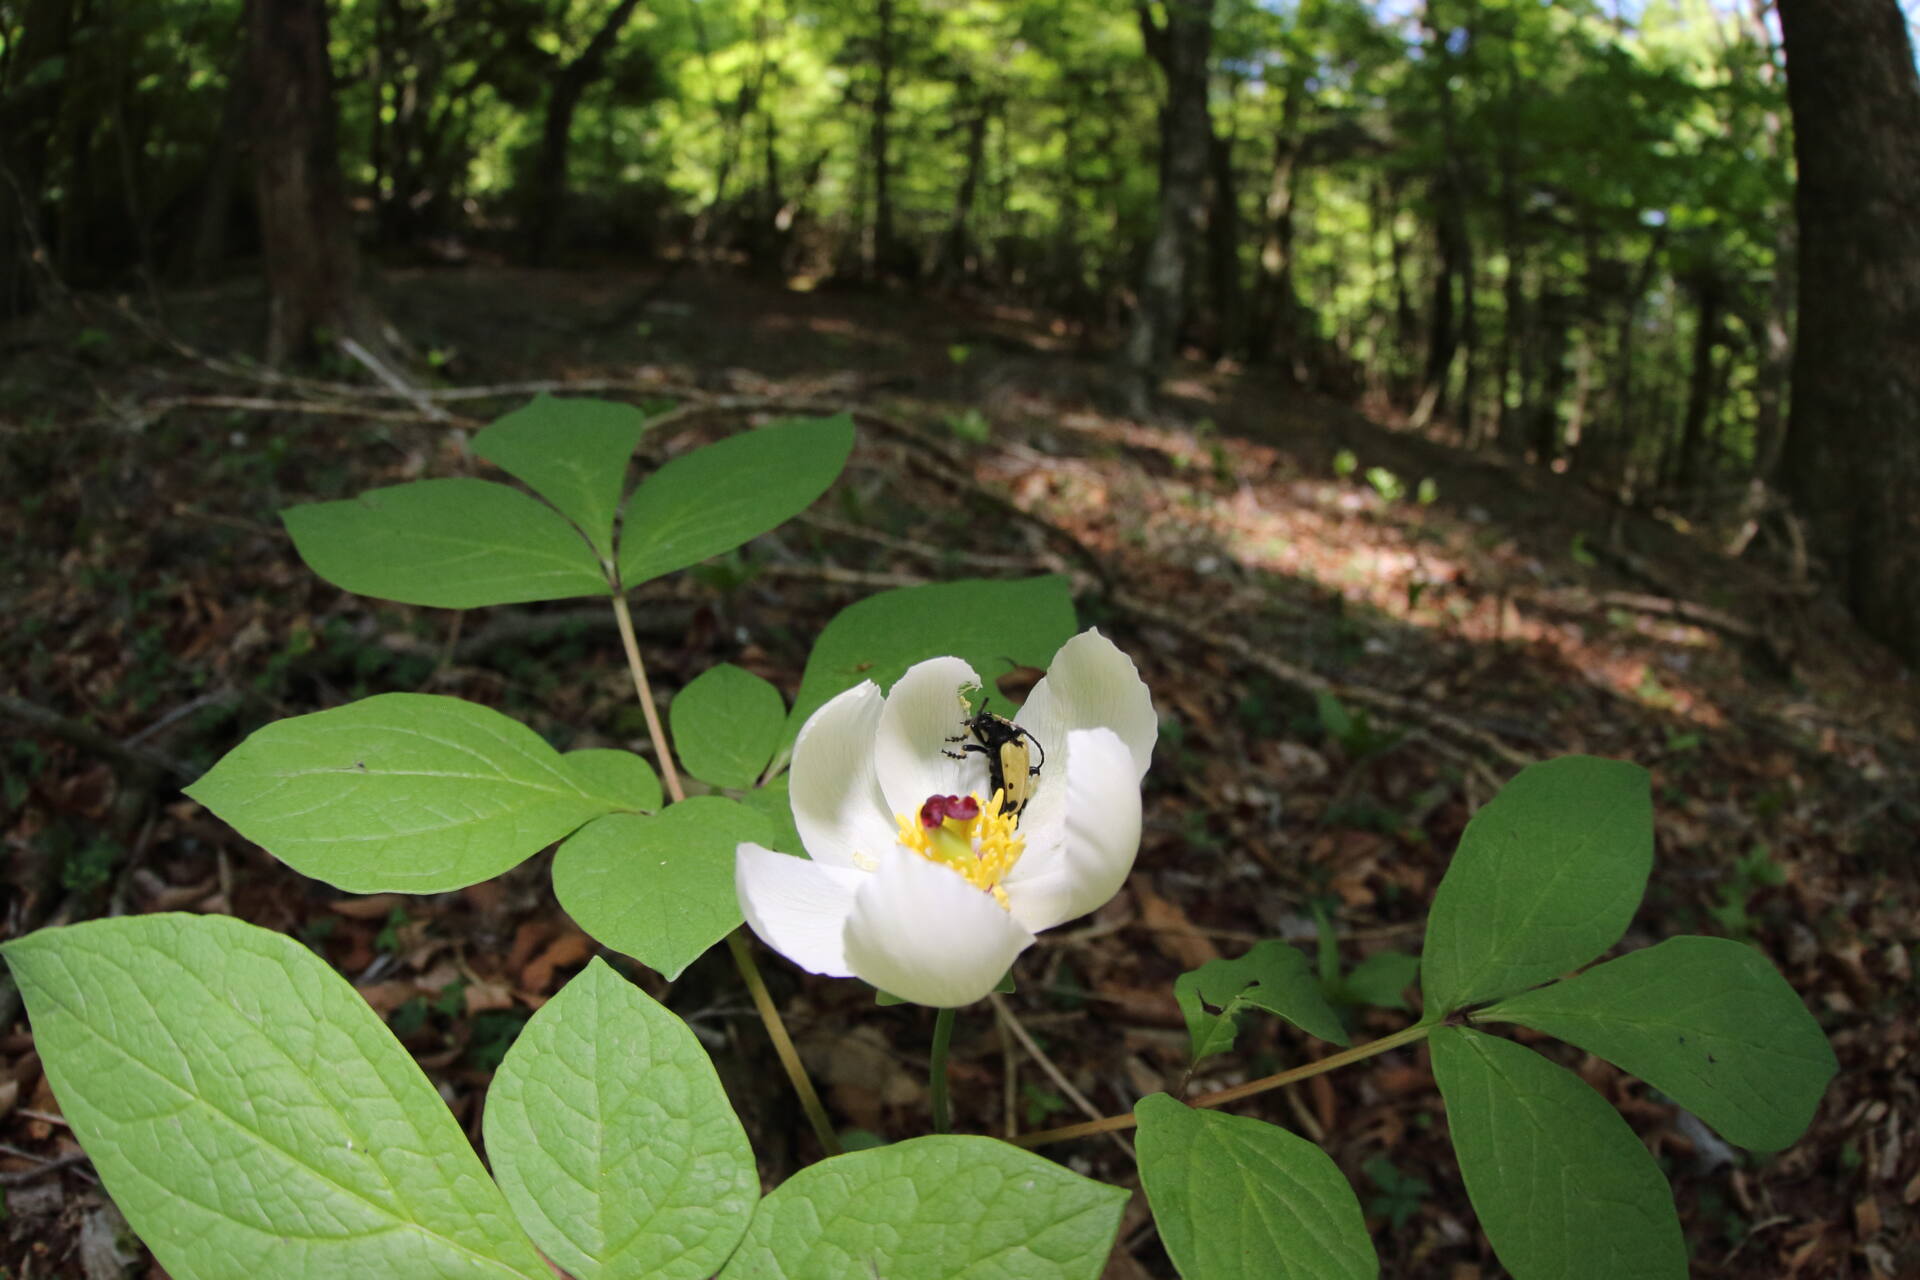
{"x": 1255, "y": 548}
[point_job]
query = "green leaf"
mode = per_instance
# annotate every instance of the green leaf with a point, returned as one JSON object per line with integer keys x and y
{"x": 659, "y": 889}
{"x": 1240, "y": 1198}
{"x": 1562, "y": 1186}
{"x": 1272, "y": 976}
{"x": 573, "y": 453}
{"x": 774, "y": 803}
{"x": 249, "y": 1113}
{"x": 1706, "y": 1021}
{"x": 953, "y": 1207}
{"x": 1547, "y": 876}
{"x": 617, "y": 779}
{"x": 726, "y": 725}
{"x": 1381, "y": 980}
{"x": 455, "y": 544}
{"x": 994, "y": 625}
{"x": 408, "y": 792}
{"x": 713, "y": 499}
{"x": 609, "y": 1131}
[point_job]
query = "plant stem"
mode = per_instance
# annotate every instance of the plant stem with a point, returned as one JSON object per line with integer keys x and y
{"x": 736, "y": 943}
{"x": 1109, "y": 1124}
{"x": 668, "y": 774}
{"x": 783, "y": 1043}
{"x": 937, "y": 1070}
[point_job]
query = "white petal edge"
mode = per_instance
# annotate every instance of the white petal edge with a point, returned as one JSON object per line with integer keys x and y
{"x": 797, "y": 907}
{"x": 838, "y": 807}
{"x": 1092, "y": 684}
{"x": 920, "y": 932}
{"x": 1099, "y": 836}
{"x": 923, "y": 710}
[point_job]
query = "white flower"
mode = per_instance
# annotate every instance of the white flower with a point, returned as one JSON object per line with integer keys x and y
{"x": 931, "y": 903}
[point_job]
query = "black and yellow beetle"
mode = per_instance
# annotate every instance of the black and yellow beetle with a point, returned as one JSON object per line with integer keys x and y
{"x": 1009, "y": 750}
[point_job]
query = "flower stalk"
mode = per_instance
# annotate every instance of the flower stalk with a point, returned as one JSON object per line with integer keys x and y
{"x": 737, "y": 945}
{"x": 937, "y": 1071}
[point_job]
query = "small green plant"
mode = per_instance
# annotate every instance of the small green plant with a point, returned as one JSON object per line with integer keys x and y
{"x": 199, "y": 1059}
{"x": 971, "y": 425}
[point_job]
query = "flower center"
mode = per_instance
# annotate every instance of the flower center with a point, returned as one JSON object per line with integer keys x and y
{"x": 979, "y": 841}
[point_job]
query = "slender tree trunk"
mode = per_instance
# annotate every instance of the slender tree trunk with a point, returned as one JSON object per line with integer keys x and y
{"x": 1182, "y": 45}
{"x": 547, "y": 204}
{"x": 1223, "y": 247}
{"x": 30, "y": 108}
{"x": 312, "y": 265}
{"x": 877, "y": 255}
{"x": 1852, "y": 461}
{"x": 957, "y": 258}
{"x": 1691, "y": 464}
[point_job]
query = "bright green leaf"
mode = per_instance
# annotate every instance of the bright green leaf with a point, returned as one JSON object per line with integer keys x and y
{"x": 1272, "y": 976}
{"x": 573, "y": 453}
{"x": 726, "y": 725}
{"x": 1547, "y": 876}
{"x": 775, "y": 804}
{"x": 609, "y": 1131}
{"x": 713, "y": 499}
{"x": 249, "y": 1113}
{"x": 952, "y": 1207}
{"x": 1381, "y": 980}
{"x": 1706, "y": 1021}
{"x": 1562, "y": 1186}
{"x": 456, "y": 544}
{"x": 994, "y": 625}
{"x": 659, "y": 889}
{"x": 1241, "y": 1199}
{"x": 406, "y": 792}
{"x": 617, "y": 779}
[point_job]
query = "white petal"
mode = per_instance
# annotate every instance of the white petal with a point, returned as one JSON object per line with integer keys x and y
{"x": 922, "y": 933}
{"x": 1097, "y": 835}
{"x": 799, "y": 908}
{"x": 923, "y": 710}
{"x": 1092, "y": 684}
{"x": 837, "y": 804}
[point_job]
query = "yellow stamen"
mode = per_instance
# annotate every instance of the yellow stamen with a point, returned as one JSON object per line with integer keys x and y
{"x": 982, "y": 849}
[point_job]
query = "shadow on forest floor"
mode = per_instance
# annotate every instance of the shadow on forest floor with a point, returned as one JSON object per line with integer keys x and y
{"x": 155, "y": 605}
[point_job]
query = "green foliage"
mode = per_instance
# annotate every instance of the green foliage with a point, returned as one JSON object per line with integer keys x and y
{"x": 1240, "y": 1199}
{"x": 937, "y": 1206}
{"x": 1707, "y": 1022}
{"x": 727, "y": 724}
{"x": 573, "y": 453}
{"x": 249, "y": 1113}
{"x": 658, "y": 888}
{"x": 1561, "y": 1185}
{"x": 457, "y": 544}
{"x": 614, "y": 1141}
{"x": 1547, "y": 875}
{"x": 1273, "y": 977}
{"x": 713, "y": 499}
{"x": 1400, "y": 1196}
{"x": 406, "y": 791}
{"x": 991, "y": 624}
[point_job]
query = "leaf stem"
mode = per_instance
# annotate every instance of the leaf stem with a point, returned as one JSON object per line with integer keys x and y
{"x": 737, "y": 944}
{"x": 937, "y": 1070}
{"x": 783, "y": 1043}
{"x": 668, "y": 774}
{"x": 1109, "y": 1124}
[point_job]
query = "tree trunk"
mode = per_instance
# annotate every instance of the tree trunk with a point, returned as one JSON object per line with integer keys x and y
{"x": 958, "y": 259}
{"x": 1223, "y": 248}
{"x": 877, "y": 251}
{"x": 312, "y": 266}
{"x": 1181, "y": 44}
{"x": 1852, "y": 461}
{"x": 30, "y": 108}
{"x": 548, "y": 187}
{"x": 1691, "y": 465}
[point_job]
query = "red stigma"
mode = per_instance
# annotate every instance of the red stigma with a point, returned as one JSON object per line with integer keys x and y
{"x": 938, "y": 809}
